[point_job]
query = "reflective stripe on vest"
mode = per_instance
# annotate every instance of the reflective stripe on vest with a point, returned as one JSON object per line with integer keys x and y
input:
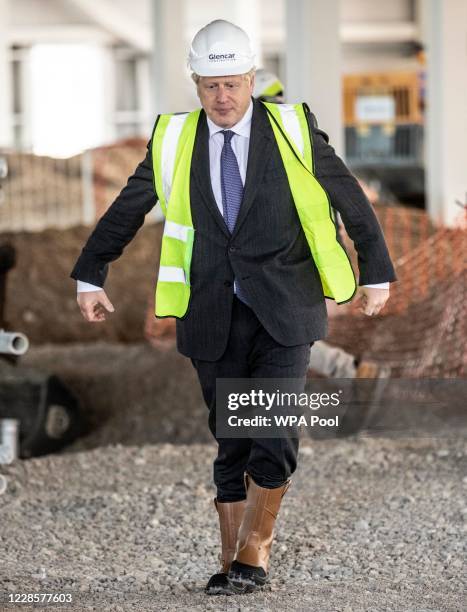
{"x": 172, "y": 148}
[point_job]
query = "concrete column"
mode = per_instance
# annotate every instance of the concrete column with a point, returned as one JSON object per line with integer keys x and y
{"x": 6, "y": 132}
{"x": 247, "y": 15}
{"x": 168, "y": 67}
{"x": 144, "y": 86}
{"x": 445, "y": 31}
{"x": 109, "y": 132}
{"x": 313, "y": 66}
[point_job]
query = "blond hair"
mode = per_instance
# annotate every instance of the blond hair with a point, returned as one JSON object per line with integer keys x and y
{"x": 247, "y": 75}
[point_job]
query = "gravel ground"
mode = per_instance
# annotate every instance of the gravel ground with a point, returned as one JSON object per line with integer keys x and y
{"x": 369, "y": 524}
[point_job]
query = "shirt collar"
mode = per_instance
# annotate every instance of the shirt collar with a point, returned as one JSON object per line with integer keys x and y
{"x": 242, "y": 128}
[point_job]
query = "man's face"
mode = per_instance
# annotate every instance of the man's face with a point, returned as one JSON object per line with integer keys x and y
{"x": 225, "y": 99}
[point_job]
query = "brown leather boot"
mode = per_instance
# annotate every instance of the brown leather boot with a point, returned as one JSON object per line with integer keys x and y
{"x": 230, "y": 517}
{"x": 250, "y": 568}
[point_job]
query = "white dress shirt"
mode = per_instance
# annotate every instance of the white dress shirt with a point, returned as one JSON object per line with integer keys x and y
{"x": 240, "y": 144}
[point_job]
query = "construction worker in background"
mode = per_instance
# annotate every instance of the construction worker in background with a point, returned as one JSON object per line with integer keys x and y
{"x": 325, "y": 360}
{"x": 268, "y": 87}
{"x": 243, "y": 268}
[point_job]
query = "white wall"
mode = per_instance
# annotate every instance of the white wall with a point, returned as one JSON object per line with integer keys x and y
{"x": 367, "y": 11}
{"x": 446, "y": 38}
{"x": 5, "y": 81}
{"x": 68, "y": 99}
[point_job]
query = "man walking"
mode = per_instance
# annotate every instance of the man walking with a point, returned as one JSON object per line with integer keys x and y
{"x": 249, "y": 253}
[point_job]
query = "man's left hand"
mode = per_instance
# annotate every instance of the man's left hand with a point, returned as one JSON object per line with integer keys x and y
{"x": 372, "y": 300}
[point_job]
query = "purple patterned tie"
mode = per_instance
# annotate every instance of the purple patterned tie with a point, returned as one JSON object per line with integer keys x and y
{"x": 232, "y": 191}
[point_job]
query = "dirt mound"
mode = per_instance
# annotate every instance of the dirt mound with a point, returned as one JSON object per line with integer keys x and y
{"x": 41, "y": 298}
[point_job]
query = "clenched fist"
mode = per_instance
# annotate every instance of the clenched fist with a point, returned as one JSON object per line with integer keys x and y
{"x": 372, "y": 300}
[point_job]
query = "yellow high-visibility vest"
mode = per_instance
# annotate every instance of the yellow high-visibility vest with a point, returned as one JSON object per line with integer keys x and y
{"x": 172, "y": 149}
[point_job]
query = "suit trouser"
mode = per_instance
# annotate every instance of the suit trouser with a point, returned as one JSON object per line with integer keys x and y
{"x": 251, "y": 353}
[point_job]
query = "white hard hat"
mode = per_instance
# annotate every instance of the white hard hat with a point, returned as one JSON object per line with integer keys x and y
{"x": 219, "y": 49}
{"x": 267, "y": 84}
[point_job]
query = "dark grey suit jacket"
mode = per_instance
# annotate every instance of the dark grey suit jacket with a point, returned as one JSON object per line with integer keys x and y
{"x": 267, "y": 252}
